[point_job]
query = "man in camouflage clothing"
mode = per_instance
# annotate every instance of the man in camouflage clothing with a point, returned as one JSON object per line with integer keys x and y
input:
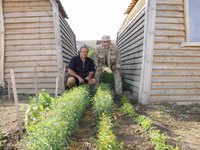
{"x": 108, "y": 56}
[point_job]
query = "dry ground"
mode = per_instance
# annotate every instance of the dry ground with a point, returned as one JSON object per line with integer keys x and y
{"x": 180, "y": 122}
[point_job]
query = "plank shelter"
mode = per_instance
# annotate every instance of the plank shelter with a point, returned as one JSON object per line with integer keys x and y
{"x": 35, "y": 33}
{"x": 160, "y": 50}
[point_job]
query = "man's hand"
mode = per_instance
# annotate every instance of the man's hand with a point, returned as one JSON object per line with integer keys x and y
{"x": 88, "y": 78}
{"x": 80, "y": 80}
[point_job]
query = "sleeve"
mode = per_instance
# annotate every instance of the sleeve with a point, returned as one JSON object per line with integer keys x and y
{"x": 118, "y": 58}
{"x": 72, "y": 64}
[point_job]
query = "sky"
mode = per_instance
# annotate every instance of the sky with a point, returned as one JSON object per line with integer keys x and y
{"x": 91, "y": 19}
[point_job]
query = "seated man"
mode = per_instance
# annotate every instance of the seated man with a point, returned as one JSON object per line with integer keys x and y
{"x": 81, "y": 69}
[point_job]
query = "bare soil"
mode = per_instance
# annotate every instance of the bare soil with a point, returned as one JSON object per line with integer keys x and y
{"x": 181, "y": 123}
{"x": 8, "y": 119}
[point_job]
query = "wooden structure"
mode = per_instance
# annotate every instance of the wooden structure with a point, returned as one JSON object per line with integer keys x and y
{"x": 35, "y": 32}
{"x": 160, "y": 50}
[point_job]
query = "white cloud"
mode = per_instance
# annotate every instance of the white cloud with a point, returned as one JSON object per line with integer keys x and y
{"x": 90, "y": 19}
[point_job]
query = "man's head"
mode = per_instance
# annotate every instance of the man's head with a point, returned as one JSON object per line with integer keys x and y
{"x": 106, "y": 41}
{"x": 84, "y": 51}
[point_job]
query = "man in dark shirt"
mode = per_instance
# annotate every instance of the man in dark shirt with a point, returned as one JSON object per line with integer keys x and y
{"x": 81, "y": 69}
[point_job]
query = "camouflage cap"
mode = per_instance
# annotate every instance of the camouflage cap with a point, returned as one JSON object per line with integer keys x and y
{"x": 105, "y": 38}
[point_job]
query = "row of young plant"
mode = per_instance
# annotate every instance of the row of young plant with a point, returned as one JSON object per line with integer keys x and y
{"x": 102, "y": 106}
{"x": 51, "y": 122}
{"x": 158, "y": 139}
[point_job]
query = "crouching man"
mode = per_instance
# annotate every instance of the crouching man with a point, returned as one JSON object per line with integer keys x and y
{"x": 81, "y": 69}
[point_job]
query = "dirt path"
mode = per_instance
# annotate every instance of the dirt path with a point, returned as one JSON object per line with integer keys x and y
{"x": 127, "y": 131}
{"x": 82, "y": 138}
{"x": 133, "y": 136}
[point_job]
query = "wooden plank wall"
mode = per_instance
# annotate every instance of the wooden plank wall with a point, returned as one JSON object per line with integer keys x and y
{"x": 68, "y": 41}
{"x": 30, "y": 39}
{"x": 130, "y": 43}
{"x": 176, "y": 70}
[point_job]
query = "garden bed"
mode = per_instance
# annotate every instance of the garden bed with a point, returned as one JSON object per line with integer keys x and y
{"x": 180, "y": 122}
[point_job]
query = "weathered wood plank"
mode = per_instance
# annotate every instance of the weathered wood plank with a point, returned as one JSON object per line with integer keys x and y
{"x": 177, "y": 66}
{"x": 28, "y": 20}
{"x": 179, "y": 27}
{"x": 179, "y": 2}
{"x": 31, "y": 53}
{"x": 169, "y": 33}
{"x": 172, "y": 85}
{"x": 30, "y": 47}
{"x": 180, "y": 52}
{"x": 40, "y": 63}
{"x": 31, "y": 69}
{"x": 176, "y": 59}
{"x": 169, "y": 7}
{"x": 170, "y": 46}
{"x": 30, "y": 42}
{"x": 175, "y": 92}
{"x": 29, "y": 36}
{"x": 175, "y": 79}
{"x": 29, "y": 31}
{"x": 29, "y": 25}
{"x": 27, "y": 9}
{"x": 31, "y": 75}
{"x": 172, "y": 98}
{"x": 176, "y": 73}
{"x": 169, "y": 39}
{"x": 32, "y": 58}
{"x": 28, "y": 14}
{"x": 132, "y": 66}
{"x": 26, "y": 3}
{"x": 163, "y": 20}
{"x": 169, "y": 14}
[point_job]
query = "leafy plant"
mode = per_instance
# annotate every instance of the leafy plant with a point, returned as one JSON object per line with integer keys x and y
{"x": 106, "y": 138}
{"x": 55, "y": 126}
{"x": 127, "y": 108}
{"x": 124, "y": 99}
{"x": 103, "y": 101}
{"x": 36, "y": 108}
{"x": 107, "y": 77}
{"x": 159, "y": 140}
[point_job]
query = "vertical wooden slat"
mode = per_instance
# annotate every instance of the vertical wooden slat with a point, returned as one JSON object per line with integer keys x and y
{"x": 2, "y": 50}
{"x": 36, "y": 83}
{"x": 149, "y": 35}
{"x": 16, "y": 101}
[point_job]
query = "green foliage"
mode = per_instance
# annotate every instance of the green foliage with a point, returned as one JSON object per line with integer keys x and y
{"x": 45, "y": 99}
{"x": 36, "y": 108}
{"x": 103, "y": 101}
{"x": 106, "y": 138}
{"x": 145, "y": 122}
{"x": 56, "y": 125}
{"x": 107, "y": 77}
{"x": 124, "y": 99}
{"x": 159, "y": 140}
{"x": 127, "y": 108}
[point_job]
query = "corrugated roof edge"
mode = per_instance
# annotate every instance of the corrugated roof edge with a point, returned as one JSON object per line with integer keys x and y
{"x": 130, "y": 7}
{"x": 62, "y": 10}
